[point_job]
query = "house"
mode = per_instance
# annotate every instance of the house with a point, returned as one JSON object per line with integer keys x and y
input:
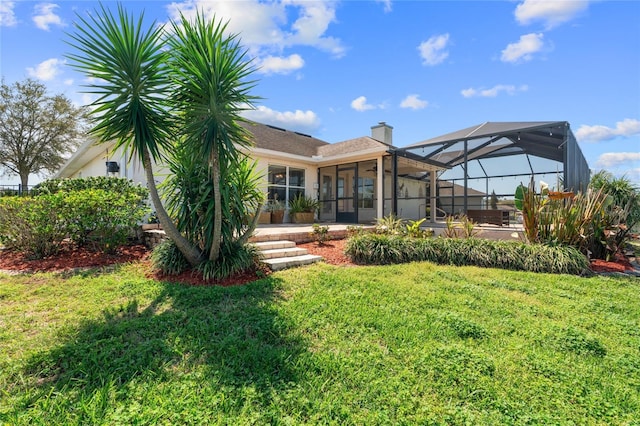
{"x": 352, "y": 179}
{"x": 361, "y": 179}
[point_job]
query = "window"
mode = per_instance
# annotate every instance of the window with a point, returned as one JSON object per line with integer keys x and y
{"x": 285, "y": 183}
{"x": 366, "y": 191}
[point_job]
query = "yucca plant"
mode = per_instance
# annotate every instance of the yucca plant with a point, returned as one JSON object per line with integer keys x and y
{"x": 210, "y": 73}
{"x": 127, "y": 63}
{"x": 189, "y": 193}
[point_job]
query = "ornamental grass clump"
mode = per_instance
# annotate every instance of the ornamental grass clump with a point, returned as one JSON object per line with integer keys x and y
{"x": 393, "y": 249}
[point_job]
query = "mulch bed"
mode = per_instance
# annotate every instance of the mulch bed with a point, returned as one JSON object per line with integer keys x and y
{"x": 70, "y": 258}
{"x": 332, "y": 251}
{"x": 620, "y": 263}
{"x": 77, "y": 258}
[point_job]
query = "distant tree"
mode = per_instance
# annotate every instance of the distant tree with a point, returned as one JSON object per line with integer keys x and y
{"x": 36, "y": 129}
{"x": 494, "y": 200}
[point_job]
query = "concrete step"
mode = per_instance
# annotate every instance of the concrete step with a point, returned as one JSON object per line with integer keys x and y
{"x": 283, "y": 252}
{"x": 279, "y": 263}
{"x": 271, "y": 245}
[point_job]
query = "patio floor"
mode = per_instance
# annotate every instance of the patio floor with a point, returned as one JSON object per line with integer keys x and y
{"x": 301, "y": 233}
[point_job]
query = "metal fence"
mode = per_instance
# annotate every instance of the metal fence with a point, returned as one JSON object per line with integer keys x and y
{"x": 15, "y": 190}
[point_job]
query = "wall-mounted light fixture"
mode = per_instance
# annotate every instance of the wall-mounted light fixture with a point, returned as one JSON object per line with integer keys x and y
{"x": 113, "y": 167}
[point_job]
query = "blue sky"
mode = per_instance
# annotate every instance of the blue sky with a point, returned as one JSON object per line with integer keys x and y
{"x": 334, "y": 69}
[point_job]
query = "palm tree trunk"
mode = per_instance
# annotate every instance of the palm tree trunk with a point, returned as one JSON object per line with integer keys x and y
{"x": 190, "y": 251}
{"x": 252, "y": 226}
{"x": 214, "y": 253}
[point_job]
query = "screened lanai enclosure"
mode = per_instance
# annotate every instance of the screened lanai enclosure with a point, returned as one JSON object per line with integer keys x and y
{"x": 493, "y": 157}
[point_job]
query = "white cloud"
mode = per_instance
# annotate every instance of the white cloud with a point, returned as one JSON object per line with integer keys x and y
{"x": 494, "y": 91}
{"x": 360, "y": 104}
{"x": 524, "y": 49}
{"x": 433, "y": 50}
{"x": 303, "y": 121}
{"x": 387, "y": 5}
{"x": 44, "y": 16}
{"x": 7, "y": 16}
{"x": 280, "y": 65}
{"x": 632, "y": 174}
{"x": 46, "y": 70}
{"x": 617, "y": 159}
{"x": 265, "y": 26}
{"x": 413, "y": 102}
{"x": 552, "y": 13}
{"x": 627, "y": 127}
{"x": 68, "y": 82}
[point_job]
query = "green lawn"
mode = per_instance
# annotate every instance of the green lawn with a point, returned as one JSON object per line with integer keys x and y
{"x": 408, "y": 344}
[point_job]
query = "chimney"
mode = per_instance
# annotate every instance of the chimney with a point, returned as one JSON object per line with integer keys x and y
{"x": 382, "y": 132}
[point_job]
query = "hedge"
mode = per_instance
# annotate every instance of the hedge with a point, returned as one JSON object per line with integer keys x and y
{"x": 386, "y": 249}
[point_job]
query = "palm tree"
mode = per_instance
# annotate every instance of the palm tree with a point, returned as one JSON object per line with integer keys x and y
{"x": 210, "y": 74}
{"x": 129, "y": 68}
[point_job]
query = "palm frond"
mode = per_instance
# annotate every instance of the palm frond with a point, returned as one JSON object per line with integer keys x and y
{"x": 126, "y": 65}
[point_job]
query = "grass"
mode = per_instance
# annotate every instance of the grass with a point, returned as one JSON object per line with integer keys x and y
{"x": 403, "y": 344}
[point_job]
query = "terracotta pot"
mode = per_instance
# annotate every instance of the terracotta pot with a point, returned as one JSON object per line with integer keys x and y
{"x": 264, "y": 218}
{"x": 277, "y": 216}
{"x": 303, "y": 217}
{"x": 148, "y": 226}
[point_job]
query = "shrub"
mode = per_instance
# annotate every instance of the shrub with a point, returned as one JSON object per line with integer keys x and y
{"x": 594, "y": 222}
{"x": 389, "y": 225}
{"x": 101, "y": 220}
{"x": 393, "y": 225}
{"x": 74, "y": 209}
{"x": 353, "y": 230}
{"x": 34, "y": 226}
{"x": 384, "y": 249}
{"x": 320, "y": 234}
{"x": 118, "y": 185}
{"x": 466, "y": 228}
{"x": 234, "y": 258}
{"x": 413, "y": 230}
{"x": 620, "y": 215}
{"x": 167, "y": 258}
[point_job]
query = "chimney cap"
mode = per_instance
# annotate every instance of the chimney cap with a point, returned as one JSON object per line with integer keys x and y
{"x": 382, "y": 124}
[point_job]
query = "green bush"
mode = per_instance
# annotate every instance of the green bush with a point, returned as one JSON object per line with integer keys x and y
{"x": 77, "y": 210}
{"x": 391, "y": 249}
{"x": 102, "y": 220}
{"x": 234, "y": 258}
{"x": 118, "y": 185}
{"x": 35, "y": 226}
{"x": 167, "y": 259}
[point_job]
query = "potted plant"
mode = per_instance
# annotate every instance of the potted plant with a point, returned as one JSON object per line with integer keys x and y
{"x": 303, "y": 209}
{"x": 277, "y": 208}
{"x": 265, "y": 215}
{"x": 152, "y": 222}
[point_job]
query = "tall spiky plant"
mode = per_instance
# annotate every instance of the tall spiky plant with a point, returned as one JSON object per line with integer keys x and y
{"x": 128, "y": 66}
{"x": 211, "y": 72}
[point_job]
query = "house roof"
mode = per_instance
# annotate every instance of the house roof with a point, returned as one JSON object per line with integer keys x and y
{"x": 458, "y": 190}
{"x": 363, "y": 143}
{"x": 282, "y": 140}
{"x": 277, "y": 140}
